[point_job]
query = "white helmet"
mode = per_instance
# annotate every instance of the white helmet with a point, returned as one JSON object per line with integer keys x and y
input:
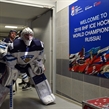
{"x": 27, "y": 36}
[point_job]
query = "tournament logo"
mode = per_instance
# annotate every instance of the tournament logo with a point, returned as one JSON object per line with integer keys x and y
{"x": 73, "y": 11}
{"x": 27, "y": 58}
{"x": 76, "y": 10}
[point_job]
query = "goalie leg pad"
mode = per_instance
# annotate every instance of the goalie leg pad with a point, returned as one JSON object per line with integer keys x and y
{"x": 12, "y": 74}
{"x": 43, "y": 88}
{"x": 3, "y": 93}
{"x": 44, "y": 92}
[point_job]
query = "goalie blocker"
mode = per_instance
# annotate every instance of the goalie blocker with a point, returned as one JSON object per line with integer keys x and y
{"x": 42, "y": 87}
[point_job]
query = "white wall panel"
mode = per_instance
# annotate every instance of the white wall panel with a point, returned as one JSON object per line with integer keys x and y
{"x": 61, "y": 4}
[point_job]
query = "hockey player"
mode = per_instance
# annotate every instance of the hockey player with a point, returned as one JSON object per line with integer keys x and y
{"x": 9, "y": 40}
{"x": 27, "y": 53}
{"x": 11, "y": 36}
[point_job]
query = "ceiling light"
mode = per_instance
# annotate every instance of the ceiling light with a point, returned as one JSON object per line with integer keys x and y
{"x": 10, "y": 26}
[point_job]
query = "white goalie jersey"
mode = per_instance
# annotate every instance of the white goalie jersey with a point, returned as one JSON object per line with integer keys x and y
{"x": 24, "y": 55}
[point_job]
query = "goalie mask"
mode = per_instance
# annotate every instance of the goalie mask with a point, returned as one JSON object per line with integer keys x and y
{"x": 27, "y": 36}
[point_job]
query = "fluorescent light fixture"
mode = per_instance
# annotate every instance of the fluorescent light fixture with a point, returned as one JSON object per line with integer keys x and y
{"x": 10, "y": 26}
